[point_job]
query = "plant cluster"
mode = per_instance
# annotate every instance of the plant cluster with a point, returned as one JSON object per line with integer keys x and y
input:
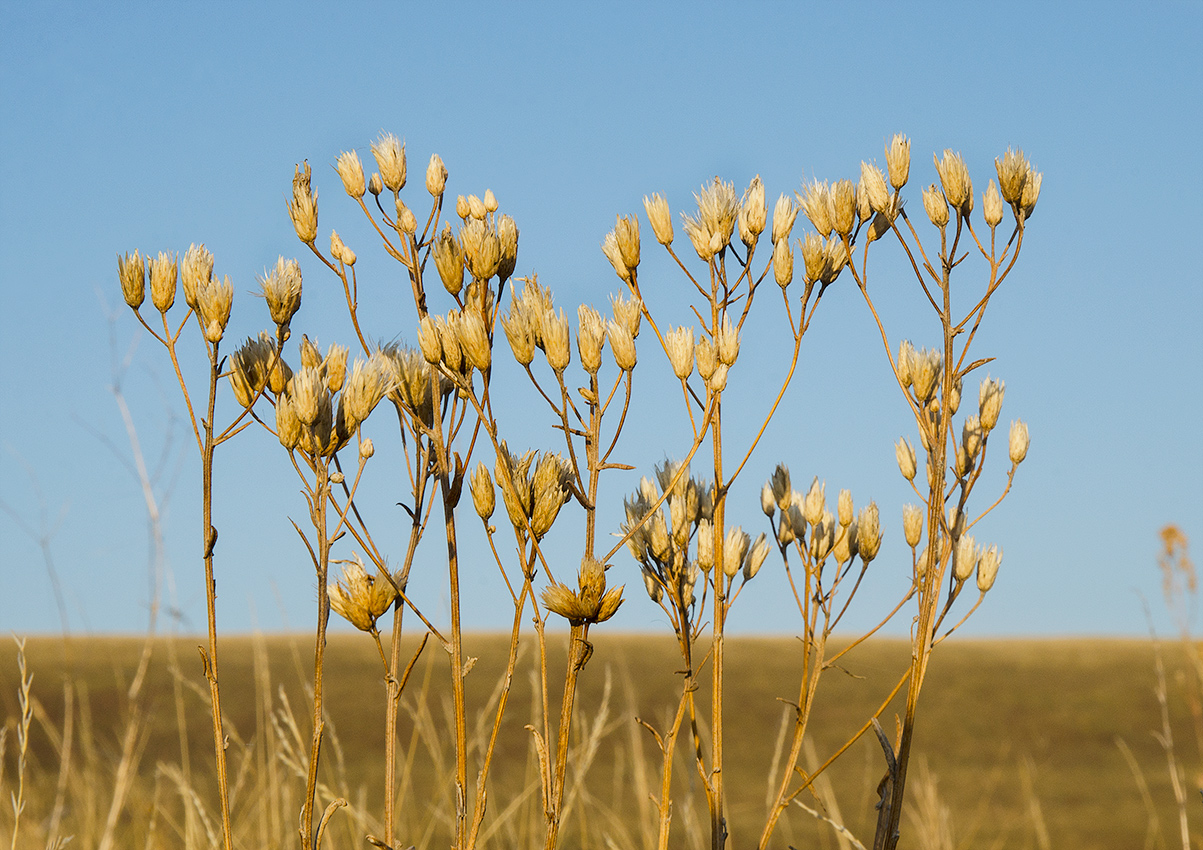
{"x": 693, "y": 560}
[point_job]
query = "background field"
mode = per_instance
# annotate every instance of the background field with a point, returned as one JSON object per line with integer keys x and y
{"x": 1015, "y": 738}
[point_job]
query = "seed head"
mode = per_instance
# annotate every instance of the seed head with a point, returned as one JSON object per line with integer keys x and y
{"x": 679, "y": 343}
{"x": 407, "y": 222}
{"x": 971, "y": 435}
{"x": 822, "y": 536}
{"x": 132, "y": 273}
{"x": 752, "y": 213}
{"x": 728, "y": 341}
{"x": 302, "y": 209}
{"x": 375, "y": 185}
{"x": 735, "y": 547}
{"x": 626, "y": 231}
{"x": 717, "y": 210}
{"x": 780, "y": 487}
{"x": 992, "y": 205}
{"x": 843, "y": 206}
{"x": 350, "y": 171}
{"x": 627, "y": 312}
{"x": 549, "y": 492}
{"x": 490, "y": 201}
{"x": 590, "y": 337}
{"x": 964, "y": 561}
{"x": 474, "y": 339}
{"x": 954, "y": 177}
{"x": 482, "y": 248}
{"x": 249, "y": 368}
{"x": 592, "y": 603}
{"x": 1012, "y": 170}
{"x": 990, "y": 399}
{"x": 163, "y": 274}
{"x": 875, "y": 187}
{"x": 783, "y": 263}
{"x": 197, "y": 271}
{"x": 935, "y": 205}
{"x": 390, "y": 156}
{"x": 449, "y": 260}
{"x": 281, "y": 288}
{"x": 926, "y": 366}
{"x": 1031, "y": 192}
{"x": 360, "y": 598}
{"x": 835, "y": 257}
{"x": 784, "y": 214}
{"x": 844, "y": 505}
{"x": 622, "y": 345}
{"x": 816, "y": 502}
{"x": 335, "y": 366}
{"x": 554, "y": 331}
{"x": 461, "y": 207}
{"x": 912, "y": 524}
{"x": 288, "y": 424}
{"x": 213, "y": 303}
{"x": 483, "y": 497}
{"x": 815, "y": 203}
{"x": 906, "y": 459}
{"x": 507, "y": 235}
{"x": 369, "y": 382}
{"x": 864, "y": 209}
{"x": 436, "y": 176}
{"x": 814, "y": 256}
{"x": 476, "y": 208}
{"x": 868, "y": 533}
{"x": 520, "y": 335}
{"x": 898, "y": 160}
{"x": 755, "y": 557}
{"x": 906, "y": 356}
{"x": 660, "y": 217}
{"x": 340, "y": 251}
{"x": 1018, "y": 441}
{"x": 987, "y": 568}
{"x": 653, "y": 585}
{"x": 614, "y": 255}
{"x": 767, "y": 503}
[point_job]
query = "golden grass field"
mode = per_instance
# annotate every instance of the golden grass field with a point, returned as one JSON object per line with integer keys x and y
{"x": 1020, "y": 740}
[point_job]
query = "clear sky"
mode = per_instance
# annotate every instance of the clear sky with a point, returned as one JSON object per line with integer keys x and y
{"x": 152, "y": 126}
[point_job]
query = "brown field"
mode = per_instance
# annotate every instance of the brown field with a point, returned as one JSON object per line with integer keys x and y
{"x": 1019, "y": 740}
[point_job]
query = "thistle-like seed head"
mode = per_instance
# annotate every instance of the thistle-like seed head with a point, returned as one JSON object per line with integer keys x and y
{"x": 554, "y": 332}
{"x": 768, "y": 504}
{"x": 728, "y": 341}
{"x": 590, "y": 337}
{"x": 752, "y": 213}
{"x": 196, "y": 271}
{"x": 476, "y": 208}
{"x": 591, "y": 603}
{"x": 875, "y": 186}
{"x": 783, "y": 263}
{"x": 490, "y": 201}
{"x": 844, "y": 506}
{"x": 302, "y": 209}
{"x": 822, "y": 536}
{"x": 132, "y": 273}
{"x": 815, "y": 203}
{"x": 954, "y": 177}
{"x": 679, "y": 344}
{"x": 992, "y": 205}
{"x": 990, "y": 399}
{"x": 311, "y": 358}
{"x": 954, "y": 397}
{"x": 660, "y": 217}
{"x": 1012, "y": 170}
{"x": 375, "y": 185}
{"x": 735, "y": 547}
{"x": 626, "y": 232}
{"x": 717, "y": 210}
{"x": 339, "y": 251}
{"x": 926, "y": 366}
{"x": 971, "y": 435}
{"x": 898, "y": 160}
{"x": 868, "y": 532}
{"x": 483, "y": 496}
{"x": 507, "y": 235}
{"x": 163, "y": 275}
{"x": 628, "y": 311}
{"x": 987, "y": 568}
{"x": 214, "y": 302}
{"x": 614, "y": 255}
{"x": 350, "y": 171}
{"x": 784, "y": 215}
{"x": 816, "y": 502}
{"x": 835, "y": 257}
{"x": 717, "y": 382}
{"x": 906, "y": 459}
{"x": 334, "y": 365}
{"x": 436, "y": 176}
{"x": 390, "y": 156}
{"x": 964, "y": 560}
{"x": 843, "y": 206}
{"x": 360, "y": 598}
{"x": 288, "y": 424}
{"x": 449, "y": 260}
{"x": 935, "y": 205}
{"x": 366, "y": 449}
{"x": 518, "y": 332}
{"x": 906, "y": 355}
{"x": 549, "y": 492}
{"x": 1018, "y": 444}
{"x": 622, "y": 346}
{"x": 407, "y": 222}
{"x": 474, "y": 339}
{"x": 429, "y": 341}
{"x": 755, "y": 557}
{"x": 482, "y": 248}
{"x": 814, "y": 256}
{"x": 281, "y": 288}
{"x": 249, "y": 368}
{"x": 1031, "y": 192}
{"x": 653, "y": 585}
{"x": 912, "y": 524}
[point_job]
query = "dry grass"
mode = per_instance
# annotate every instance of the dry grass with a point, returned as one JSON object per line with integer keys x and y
{"x": 1001, "y": 718}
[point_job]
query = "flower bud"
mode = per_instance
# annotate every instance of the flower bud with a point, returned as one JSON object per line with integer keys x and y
{"x": 366, "y": 448}
{"x": 476, "y": 208}
{"x": 337, "y": 477}
{"x": 429, "y": 341}
{"x": 987, "y": 568}
{"x": 905, "y": 454}
{"x": 350, "y": 170}
{"x": 767, "y": 503}
{"x": 912, "y": 524}
{"x": 717, "y": 382}
{"x": 461, "y": 207}
{"x": 735, "y": 547}
{"x": 660, "y": 217}
{"x": 407, "y": 222}
{"x": 390, "y": 156}
{"x": 340, "y": 251}
{"x": 436, "y": 177}
{"x": 781, "y": 492}
{"x": 755, "y": 557}
{"x": 705, "y": 545}
{"x": 1031, "y": 192}
{"x": 898, "y": 160}
{"x": 990, "y": 399}
{"x": 925, "y": 373}
{"x": 163, "y": 274}
{"x": 132, "y": 273}
{"x": 490, "y": 201}
{"x": 816, "y": 502}
{"x": 520, "y": 335}
{"x": 335, "y": 366}
{"x": 971, "y": 435}
{"x": 483, "y": 495}
{"x": 906, "y": 356}
{"x": 507, "y": 236}
{"x": 935, "y": 205}
{"x": 814, "y": 256}
{"x": 822, "y": 536}
{"x": 1018, "y": 441}
{"x": 964, "y": 561}
{"x": 288, "y": 424}
{"x": 375, "y": 185}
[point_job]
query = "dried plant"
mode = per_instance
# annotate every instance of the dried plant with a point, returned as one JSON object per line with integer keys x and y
{"x": 694, "y": 561}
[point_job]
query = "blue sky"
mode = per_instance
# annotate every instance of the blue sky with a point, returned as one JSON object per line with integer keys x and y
{"x": 158, "y": 125}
